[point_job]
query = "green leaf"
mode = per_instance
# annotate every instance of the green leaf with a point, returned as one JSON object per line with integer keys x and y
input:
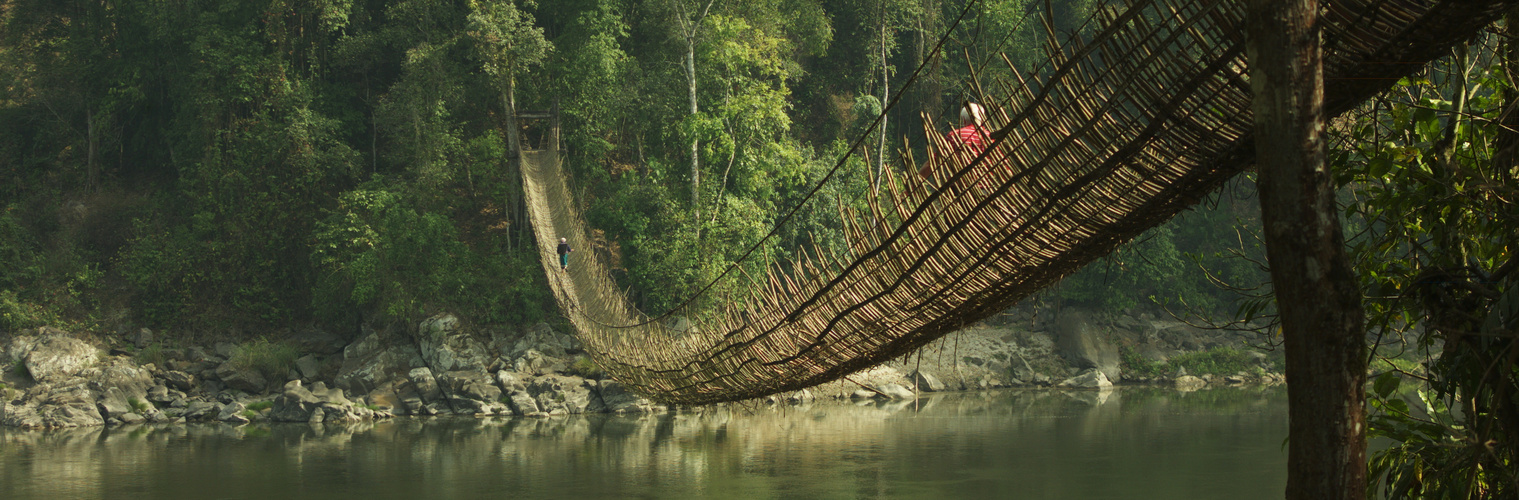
{"x": 1386, "y": 384}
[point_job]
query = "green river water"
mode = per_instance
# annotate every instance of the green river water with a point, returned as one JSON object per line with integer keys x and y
{"x": 1132, "y": 443}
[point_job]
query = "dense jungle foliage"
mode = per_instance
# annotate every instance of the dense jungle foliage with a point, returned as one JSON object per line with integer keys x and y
{"x": 197, "y": 164}
{"x": 208, "y": 164}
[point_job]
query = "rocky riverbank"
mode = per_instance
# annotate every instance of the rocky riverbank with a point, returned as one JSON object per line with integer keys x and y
{"x": 61, "y": 379}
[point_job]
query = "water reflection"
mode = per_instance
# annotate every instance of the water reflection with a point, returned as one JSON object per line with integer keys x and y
{"x": 1134, "y": 443}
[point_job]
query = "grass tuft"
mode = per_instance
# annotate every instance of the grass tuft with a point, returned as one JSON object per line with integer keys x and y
{"x": 260, "y": 406}
{"x": 273, "y": 359}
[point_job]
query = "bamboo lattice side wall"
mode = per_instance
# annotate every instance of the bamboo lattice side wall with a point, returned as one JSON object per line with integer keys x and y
{"x": 1122, "y": 133}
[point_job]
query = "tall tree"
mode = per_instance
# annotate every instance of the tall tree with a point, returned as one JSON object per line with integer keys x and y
{"x": 1317, "y": 294}
{"x": 689, "y": 16}
{"x": 508, "y": 42}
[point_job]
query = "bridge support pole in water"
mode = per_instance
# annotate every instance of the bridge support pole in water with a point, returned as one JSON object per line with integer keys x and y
{"x": 1318, "y": 299}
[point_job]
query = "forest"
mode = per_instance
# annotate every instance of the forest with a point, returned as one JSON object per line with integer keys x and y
{"x": 213, "y": 165}
{"x": 207, "y": 166}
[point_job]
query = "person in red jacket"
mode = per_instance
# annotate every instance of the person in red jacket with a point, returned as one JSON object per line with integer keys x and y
{"x": 968, "y": 141}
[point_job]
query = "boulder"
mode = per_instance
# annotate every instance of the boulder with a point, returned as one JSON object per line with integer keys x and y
{"x": 1082, "y": 343}
{"x": 613, "y": 397}
{"x": 543, "y": 339}
{"x": 143, "y": 338}
{"x": 522, "y": 403}
{"x": 56, "y": 357}
{"x": 308, "y": 367}
{"x": 240, "y": 378}
{"x": 1189, "y": 383}
{"x": 374, "y": 360}
{"x": 233, "y": 413}
{"x": 445, "y": 347}
{"x": 894, "y": 391}
{"x": 927, "y": 382}
{"x": 470, "y": 385}
{"x": 295, "y": 404}
{"x": 318, "y": 342}
{"x": 159, "y": 394}
{"x": 201, "y": 411}
{"x": 43, "y": 408}
{"x": 179, "y": 380}
{"x": 1092, "y": 378}
{"x": 121, "y": 373}
{"x": 225, "y": 349}
{"x": 536, "y": 363}
{"x": 425, "y": 384}
{"x": 114, "y": 403}
{"x": 557, "y": 394}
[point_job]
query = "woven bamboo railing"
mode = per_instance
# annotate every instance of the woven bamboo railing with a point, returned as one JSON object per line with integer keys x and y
{"x": 1121, "y": 133}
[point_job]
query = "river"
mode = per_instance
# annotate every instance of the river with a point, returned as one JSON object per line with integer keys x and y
{"x": 1132, "y": 443}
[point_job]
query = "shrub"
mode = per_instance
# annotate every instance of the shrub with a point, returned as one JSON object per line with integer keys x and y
{"x": 139, "y": 406}
{"x": 153, "y": 353}
{"x": 272, "y": 359}
{"x": 1131, "y": 362}
{"x": 1217, "y": 361}
{"x": 586, "y": 368}
{"x": 260, "y": 406}
{"x": 249, "y": 414}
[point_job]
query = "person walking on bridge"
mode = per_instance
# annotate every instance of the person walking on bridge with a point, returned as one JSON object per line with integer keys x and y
{"x": 967, "y": 142}
{"x": 564, "y": 254}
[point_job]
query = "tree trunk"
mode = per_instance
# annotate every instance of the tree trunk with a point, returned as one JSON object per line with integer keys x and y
{"x": 695, "y": 165}
{"x": 885, "y": 96}
{"x": 1506, "y": 156}
{"x": 1317, "y": 296}
{"x": 91, "y": 177}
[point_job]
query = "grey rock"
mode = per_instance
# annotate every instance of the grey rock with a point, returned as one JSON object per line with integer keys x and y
{"x": 557, "y": 394}
{"x": 143, "y": 338}
{"x": 1234, "y": 379}
{"x": 862, "y": 394}
{"x": 72, "y": 406}
{"x": 507, "y": 381}
{"x": 1188, "y": 382}
{"x": 200, "y": 411}
{"x": 446, "y": 348}
{"x": 927, "y": 382}
{"x": 1092, "y": 378}
{"x": 543, "y": 339}
{"x": 121, "y": 373}
{"x": 131, "y": 418}
{"x": 225, "y": 349}
{"x": 613, "y": 397}
{"x": 521, "y": 402}
{"x": 426, "y": 386}
{"x": 56, "y": 357}
{"x": 374, "y": 360}
{"x": 114, "y": 403}
{"x": 295, "y": 404}
{"x": 1083, "y": 344}
{"x": 179, "y": 380}
{"x": 242, "y": 379}
{"x": 319, "y": 342}
{"x": 537, "y": 363}
{"x": 159, "y": 394}
{"x": 308, "y": 367}
{"x": 232, "y": 412}
{"x": 894, "y": 391}
{"x": 470, "y": 384}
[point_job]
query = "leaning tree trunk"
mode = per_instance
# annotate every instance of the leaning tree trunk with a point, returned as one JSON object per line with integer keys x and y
{"x": 1316, "y": 292}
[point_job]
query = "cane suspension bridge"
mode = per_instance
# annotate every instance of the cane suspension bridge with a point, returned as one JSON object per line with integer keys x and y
{"x": 1119, "y": 133}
